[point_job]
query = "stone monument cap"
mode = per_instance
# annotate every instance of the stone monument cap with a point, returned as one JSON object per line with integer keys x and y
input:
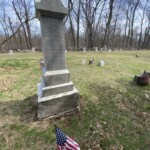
{"x": 53, "y": 8}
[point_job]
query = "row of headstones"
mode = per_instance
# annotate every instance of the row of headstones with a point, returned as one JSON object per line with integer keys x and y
{"x": 91, "y": 61}
{"x": 11, "y": 52}
{"x": 41, "y": 85}
{"x": 96, "y": 49}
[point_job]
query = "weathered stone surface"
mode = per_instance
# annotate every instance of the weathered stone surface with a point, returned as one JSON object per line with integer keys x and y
{"x": 59, "y": 95}
{"x": 101, "y": 63}
{"x": 53, "y": 8}
{"x": 53, "y": 43}
{"x": 56, "y": 77}
{"x": 83, "y": 61}
{"x": 59, "y": 103}
{"x": 56, "y": 89}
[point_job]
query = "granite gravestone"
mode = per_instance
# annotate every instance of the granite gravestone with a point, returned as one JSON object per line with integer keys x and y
{"x": 59, "y": 96}
{"x": 84, "y": 49}
{"x": 33, "y": 49}
{"x": 11, "y": 52}
{"x": 83, "y": 61}
{"x": 96, "y": 49}
{"x": 101, "y": 63}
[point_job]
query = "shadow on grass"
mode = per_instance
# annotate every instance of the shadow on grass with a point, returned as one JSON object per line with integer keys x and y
{"x": 120, "y": 113}
{"x": 26, "y": 109}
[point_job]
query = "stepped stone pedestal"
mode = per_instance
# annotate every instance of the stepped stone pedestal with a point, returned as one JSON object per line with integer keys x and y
{"x": 59, "y": 95}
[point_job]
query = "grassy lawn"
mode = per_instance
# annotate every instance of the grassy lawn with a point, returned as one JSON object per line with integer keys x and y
{"x": 115, "y": 113}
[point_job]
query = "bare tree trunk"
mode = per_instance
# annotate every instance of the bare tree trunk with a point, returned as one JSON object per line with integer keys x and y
{"x": 6, "y": 36}
{"x": 78, "y": 23}
{"x": 70, "y": 7}
{"x": 99, "y": 20}
{"x": 90, "y": 8}
{"x": 9, "y": 40}
{"x": 29, "y": 33}
{"x": 125, "y": 36}
{"x": 17, "y": 31}
{"x": 90, "y": 36}
{"x": 12, "y": 30}
{"x": 132, "y": 24}
{"x": 129, "y": 32}
{"x": 72, "y": 31}
{"x": 141, "y": 31}
{"x": 106, "y": 36}
{"x": 146, "y": 44}
{"x": 127, "y": 25}
{"x": 21, "y": 47}
{"x": 26, "y": 38}
{"x": 114, "y": 31}
{"x": 26, "y": 8}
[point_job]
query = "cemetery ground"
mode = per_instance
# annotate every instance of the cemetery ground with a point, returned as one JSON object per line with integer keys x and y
{"x": 115, "y": 113}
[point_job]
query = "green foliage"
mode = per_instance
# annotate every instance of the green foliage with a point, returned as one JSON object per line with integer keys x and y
{"x": 14, "y": 63}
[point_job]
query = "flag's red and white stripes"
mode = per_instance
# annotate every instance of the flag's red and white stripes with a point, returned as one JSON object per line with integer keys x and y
{"x": 69, "y": 145}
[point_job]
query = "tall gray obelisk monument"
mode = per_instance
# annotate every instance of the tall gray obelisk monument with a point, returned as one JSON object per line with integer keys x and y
{"x": 59, "y": 96}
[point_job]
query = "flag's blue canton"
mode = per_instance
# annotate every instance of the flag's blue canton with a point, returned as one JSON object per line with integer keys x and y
{"x": 60, "y": 137}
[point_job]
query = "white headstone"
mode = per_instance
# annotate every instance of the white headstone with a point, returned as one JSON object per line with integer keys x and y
{"x": 96, "y": 49}
{"x": 101, "y": 63}
{"x": 105, "y": 48}
{"x": 11, "y": 52}
{"x": 84, "y": 49}
{"x": 33, "y": 49}
{"x": 83, "y": 61}
{"x": 18, "y": 50}
{"x": 109, "y": 50}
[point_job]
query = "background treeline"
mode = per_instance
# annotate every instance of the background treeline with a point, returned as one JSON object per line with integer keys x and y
{"x": 112, "y": 24}
{"x": 19, "y": 29}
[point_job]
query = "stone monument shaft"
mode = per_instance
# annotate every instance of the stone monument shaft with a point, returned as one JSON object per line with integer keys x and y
{"x": 53, "y": 43}
{"x": 59, "y": 96}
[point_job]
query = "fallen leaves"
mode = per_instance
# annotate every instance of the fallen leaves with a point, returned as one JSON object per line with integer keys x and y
{"x": 6, "y": 82}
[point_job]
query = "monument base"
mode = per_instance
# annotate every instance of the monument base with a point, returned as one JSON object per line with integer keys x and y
{"x": 57, "y": 104}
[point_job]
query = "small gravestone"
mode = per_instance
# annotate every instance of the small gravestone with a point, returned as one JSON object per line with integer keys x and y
{"x": 18, "y": 50}
{"x": 11, "y": 52}
{"x": 96, "y": 49}
{"x": 101, "y": 63}
{"x": 83, "y": 61}
{"x": 109, "y": 50}
{"x": 84, "y": 49}
{"x": 105, "y": 48}
{"x": 91, "y": 61}
{"x": 59, "y": 96}
{"x": 33, "y": 49}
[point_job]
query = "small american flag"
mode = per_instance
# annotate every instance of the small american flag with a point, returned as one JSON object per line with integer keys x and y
{"x": 64, "y": 142}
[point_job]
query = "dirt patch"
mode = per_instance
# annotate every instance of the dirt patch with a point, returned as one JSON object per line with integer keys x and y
{"x": 6, "y": 83}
